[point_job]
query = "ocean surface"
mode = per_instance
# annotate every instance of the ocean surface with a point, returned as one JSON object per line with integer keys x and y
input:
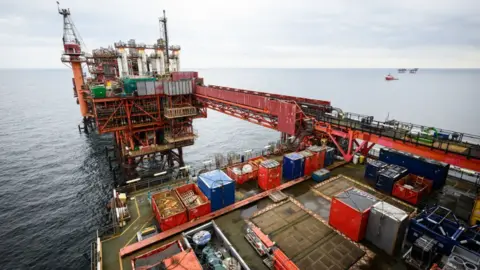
{"x": 55, "y": 182}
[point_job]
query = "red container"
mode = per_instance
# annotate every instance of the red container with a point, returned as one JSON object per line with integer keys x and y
{"x": 349, "y": 212}
{"x": 282, "y": 262}
{"x": 412, "y": 188}
{"x": 310, "y": 166}
{"x": 183, "y": 260}
{"x": 200, "y": 206}
{"x": 155, "y": 253}
{"x": 168, "y": 209}
{"x": 318, "y": 153}
{"x": 183, "y": 75}
{"x": 243, "y": 177}
{"x": 269, "y": 174}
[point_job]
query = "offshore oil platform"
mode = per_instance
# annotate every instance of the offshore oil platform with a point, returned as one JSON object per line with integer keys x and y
{"x": 322, "y": 197}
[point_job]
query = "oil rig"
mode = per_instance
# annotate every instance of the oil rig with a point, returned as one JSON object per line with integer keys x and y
{"x": 138, "y": 93}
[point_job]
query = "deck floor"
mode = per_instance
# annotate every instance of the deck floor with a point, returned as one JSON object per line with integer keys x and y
{"x": 233, "y": 225}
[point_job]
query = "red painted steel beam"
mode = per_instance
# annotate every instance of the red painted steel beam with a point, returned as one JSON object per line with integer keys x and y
{"x": 128, "y": 250}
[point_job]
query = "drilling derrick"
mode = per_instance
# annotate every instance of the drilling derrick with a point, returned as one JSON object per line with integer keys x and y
{"x": 74, "y": 56}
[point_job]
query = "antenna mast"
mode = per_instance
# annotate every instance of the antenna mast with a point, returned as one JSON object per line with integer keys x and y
{"x": 164, "y": 35}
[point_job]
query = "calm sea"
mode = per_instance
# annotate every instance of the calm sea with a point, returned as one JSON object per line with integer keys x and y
{"x": 56, "y": 182}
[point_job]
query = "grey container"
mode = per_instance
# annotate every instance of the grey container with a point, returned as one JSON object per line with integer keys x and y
{"x": 150, "y": 88}
{"x": 141, "y": 88}
{"x": 175, "y": 88}
{"x": 386, "y": 227}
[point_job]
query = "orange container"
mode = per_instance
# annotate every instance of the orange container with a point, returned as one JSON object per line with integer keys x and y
{"x": 243, "y": 177}
{"x": 196, "y": 207}
{"x": 349, "y": 212}
{"x": 269, "y": 174}
{"x": 282, "y": 262}
{"x": 175, "y": 245}
{"x": 169, "y": 209}
{"x": 318, "y": 156}
{"x": 411, "y": 188}
{"x": 310, "y": 165}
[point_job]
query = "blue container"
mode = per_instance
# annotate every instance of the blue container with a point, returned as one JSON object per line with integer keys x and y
{"x": 293, "y": 166}
{"x": 386, "y": 180}
{"x": 329, "y": 156}
{"x": 373, "y": 168}
{"x": 442, "y": 136}
{"x": 218, "y": 187}
{"x": 428, "y": 168}
{"x": 320, "y": 175}
{"x": 399, "y": 169}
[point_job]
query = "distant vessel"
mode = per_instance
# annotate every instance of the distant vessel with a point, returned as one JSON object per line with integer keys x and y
{"x": 402, "y": 70}
{"x": 390, "y": 77}
{"x": 413, "y": 70}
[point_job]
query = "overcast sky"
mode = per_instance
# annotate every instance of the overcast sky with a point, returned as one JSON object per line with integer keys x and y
{"x": 261, "y": 33}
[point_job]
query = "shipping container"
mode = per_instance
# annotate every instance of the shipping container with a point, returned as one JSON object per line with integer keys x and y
{"x": 428, "y": 168}
{"x": 329, "y": 156}
{"x": 168, "y": 209}
{"x": 142, "y": 88}
{"x": 386, "y": 179}
{"x": 412, "y": 188}
{"x": 159, "y": 88}
{"x": 194, "y": 200}
{"x": 309, "y": 166}
{"x": 156, "y": 256}
{"x": 318, "y": 156}
{"x": 386, "y": 227}
{"x": 321, "y": 175}
{"x": 99, "y": 91}
{"x": 349, "y": 212}
{"x": 398, "y": 169}
{"x": 218, "y": 187}
{"x": 293, "y": 166}
{"x": 175, "y": 88}
{"x": 243, "y": 172}
{"x": 150, "y": 87}
{"x": 373, "y": 168}
{"x": 184, "y": 75}
{"x": 269, "y": 174}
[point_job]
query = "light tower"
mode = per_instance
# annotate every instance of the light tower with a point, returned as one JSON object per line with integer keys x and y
{"x": 74, "y": 56}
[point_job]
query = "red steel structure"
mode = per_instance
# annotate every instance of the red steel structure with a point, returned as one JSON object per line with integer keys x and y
{"x": 308, "y": 119}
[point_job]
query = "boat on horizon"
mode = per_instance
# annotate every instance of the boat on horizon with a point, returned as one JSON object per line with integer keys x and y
{"x": 390, "y": 77}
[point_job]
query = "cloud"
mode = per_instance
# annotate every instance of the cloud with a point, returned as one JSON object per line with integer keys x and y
{"x": 250, "y": 33}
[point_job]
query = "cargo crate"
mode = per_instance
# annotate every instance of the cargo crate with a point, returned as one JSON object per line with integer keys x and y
{"x": 269, "y": 174}
{"x": 349, "y": 212}
{"x": 318, "y": 153}
{"x": 321, "y": 175}
{"x": 373, "y": 168}
{"x": 194, "y": 200}
{"x": 218, "y": 187}
{"x": 412, "y": 188}
{"x": 168, "y": 209}
{"x": 309, "y": 166}
{"x": 157, "y": 255}
{"x": 293, "y": 166}
{"x": 243, "y": 172}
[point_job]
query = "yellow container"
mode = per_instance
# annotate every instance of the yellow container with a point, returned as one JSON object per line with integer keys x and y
{"x": 361, "y": 159}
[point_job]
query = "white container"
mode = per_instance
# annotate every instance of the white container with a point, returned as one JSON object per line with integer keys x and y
{"x": 386, "y": 227}
{"x": 355, "y": 159}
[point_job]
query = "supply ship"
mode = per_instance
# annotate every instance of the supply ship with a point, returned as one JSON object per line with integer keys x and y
{"x": 338, "y": 190}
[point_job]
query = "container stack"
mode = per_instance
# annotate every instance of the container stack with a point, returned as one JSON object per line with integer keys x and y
{"x": 321, "y": 175}
{"x": 243, "y": 172}
{"x": 293, "y": 166}
{"x": 218, "y": 187}
{"x": 373, "y": 169}
{"x": 318, "y": 156}
{"x": 388, "y": 176}
{"x": 194, "y": 200}
{"x": 428, "y": 168}
{"x": 386, "y": 227}
{"x": 412, "y": 188}
{"x": 329, "y": 156}
{"x": 309, "y": 165}
{"x": 168, "y": 209}
{"x": 349, "y": 212}
{"x": 269, "y": 174}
